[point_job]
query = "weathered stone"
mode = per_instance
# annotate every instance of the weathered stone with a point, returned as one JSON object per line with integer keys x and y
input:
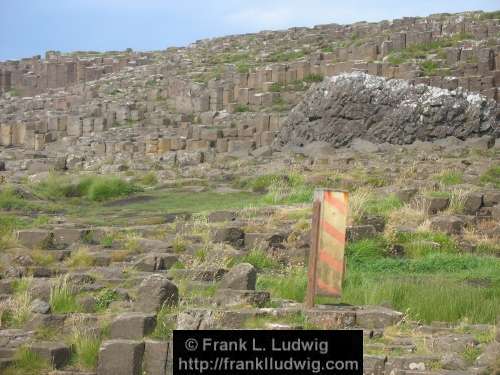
{"x": 123, "y": 357}
{"x": 40, "y": 307}
{"x": 473, "y": 203}
{"x": 360, "y": 232}
{"x": 491, "y": 198}
{"x": 232, "y": 297}
{"x": 436, "y": 204}
{"x": 220, "y": 216}
{"x": 241, "y": 277}
{"x": 332, "y": 318}
{"x": 156, "y": 262}
{"x": 232, "y": 235}
{"x": 154, "y": 292}
{"x": 377, "y": 317}
{"x": 35, "y": 238}
{"x": 157, "y": 357}
{"x": 447, "y": 224}
{"x": 132, "y": 326}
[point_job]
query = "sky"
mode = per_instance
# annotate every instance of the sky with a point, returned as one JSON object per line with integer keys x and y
{"x": 31, "y": 27}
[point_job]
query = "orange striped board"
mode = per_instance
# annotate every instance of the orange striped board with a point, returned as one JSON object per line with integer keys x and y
{"x": 331, "y": 241}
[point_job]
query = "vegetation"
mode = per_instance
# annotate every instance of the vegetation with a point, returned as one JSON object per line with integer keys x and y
{"x": 491, "y": 177}
{"x": 27, "y": 363}
{"x": 62, "y": 297}
{"x": 448, "y": 178}
{"x": 260, "y": 259}
{"x": 94, "y": 188}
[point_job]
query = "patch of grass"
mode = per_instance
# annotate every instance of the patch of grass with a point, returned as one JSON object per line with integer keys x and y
{"x": 259, "y": 259}
{"x": 419, "y": 244}
{"x": 383, "y": 206}
{"x": 429, "y": 67}
{"x": 313, "y": 78}
{"x": 27, "y": 363}
{"x": 80, "y": 258}
{"x": 448, "y": 178}
{"x": 289, "y": 189}
{"x": 290, "y": 284}
{"x": 365, "y": 251}
{"x": 94, "y": 188}
{"x": 104, "y": 298}
{"x": 165, "y": 324}
{"x": 62, "y": 297}
{"x": 41, "y": 258}
{"x": 491, "y": 176}
{"x": 285, "y": 56}
{"x": 149, "y": 179}
{"x": 240, "y": 108}
{"x": 10, "y": 200}
{"x": 470, "y": 354}
{"x": 86, "y": 344}
{"x": 107, "y": 241}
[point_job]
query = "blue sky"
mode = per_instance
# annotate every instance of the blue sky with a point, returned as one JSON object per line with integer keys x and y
{"x": 30, "y": 27}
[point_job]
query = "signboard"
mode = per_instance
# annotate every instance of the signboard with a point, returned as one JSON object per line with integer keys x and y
{"x": 328, "y": 234}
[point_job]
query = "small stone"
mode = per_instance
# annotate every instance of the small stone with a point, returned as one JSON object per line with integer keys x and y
{"x": 120, "y": 357}
{"x": 154, "y": 292}
{"x": 241, "y": 277}
{"x": 40, "y": 307}
{"x": 132, "y": 326}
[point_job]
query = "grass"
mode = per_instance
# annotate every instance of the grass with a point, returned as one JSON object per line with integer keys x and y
{"x": 240, "y": 108}
{"x": 164, "y": 324}
{"x": 289, "y": 189}
{"x": 163, "y": 201}
{"x": 10, "y": 200}
{"x": 86, "y": 344}
{"x": 491, "y": 177}
{"x": 442, "y": 286}
{"x": 104, "y": 298}
{"x": 383, "y": 206}
{"x": 94, "y": 188}
{"x": 429, "y": 67}
{"x": 80, "y": 258}
{"x": 259, "y": 259}
{"x": 449, "y": 178}
{"x": 62, "y": 298}
{"x": 27, "y": 363}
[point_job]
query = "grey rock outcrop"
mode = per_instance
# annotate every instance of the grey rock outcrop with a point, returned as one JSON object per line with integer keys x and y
{"x": 357, "y": 105}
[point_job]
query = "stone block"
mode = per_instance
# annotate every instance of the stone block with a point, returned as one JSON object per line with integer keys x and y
{"x": 157, "y": 357}
{"x": 154, "y": 292}
{"x": 241, "y": 277}
{"x": 120, "y": 357}
{"x": 132, "y": 326}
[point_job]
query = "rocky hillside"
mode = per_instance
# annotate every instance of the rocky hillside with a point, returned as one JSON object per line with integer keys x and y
{"x": 358, "y": 105}
{"x": 146, "y": 192}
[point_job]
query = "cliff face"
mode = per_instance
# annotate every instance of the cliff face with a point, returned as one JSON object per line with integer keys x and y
{"x": 358, "y": 105}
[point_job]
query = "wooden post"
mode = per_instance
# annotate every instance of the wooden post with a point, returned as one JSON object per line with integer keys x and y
{"x": 313, "y": 255}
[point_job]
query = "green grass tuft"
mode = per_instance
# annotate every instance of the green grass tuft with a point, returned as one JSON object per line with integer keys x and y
{"x": 491, "y": 176}
{"x": 27, "y": 363}
{"x": 260, "y": 260}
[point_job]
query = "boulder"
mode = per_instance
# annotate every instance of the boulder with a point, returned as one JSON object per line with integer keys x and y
{"x": 473, "y": 203}
{"x": 241, "y": 277}
{"x": 35, "y": 238}
{"x": 154, "y": 292}
{"x": 354, "y": 105}
{"x": 232, "y": 235}
{"x": 491, "y": 198}
{"x": 156, "y": 262}
{"x": 120, "y": 357}
{"x": 132, "y": 326}
{"x": 436, "y": 204}
{"x": 447, "y": 224}
{"x": 40, "y": 307}
{"x": 221, "y": 216}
